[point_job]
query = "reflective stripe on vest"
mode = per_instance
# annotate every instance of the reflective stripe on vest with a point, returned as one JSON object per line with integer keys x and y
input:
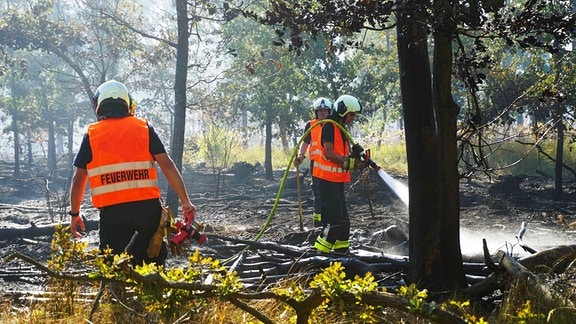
{"x": 121, "y": 176}
{"x": 122, "y": 168}
{"x": 315, "y": 147}
{"x": 328, "y": 170}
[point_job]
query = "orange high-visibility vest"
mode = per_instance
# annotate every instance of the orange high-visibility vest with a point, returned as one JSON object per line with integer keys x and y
{"x": 315, "y": 147}
{"x": 122, "y": 168}
{"x": 328, "y": 170}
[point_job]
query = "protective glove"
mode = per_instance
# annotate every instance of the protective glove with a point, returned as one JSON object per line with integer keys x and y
{"x": 75, "y": 222}
{"x": 357, "y": 150}
{"x": 352, "y": 163}
{"x": 155, "y": 244}
{"x": 360, "y": 165}
{"x": 298, "y": 160}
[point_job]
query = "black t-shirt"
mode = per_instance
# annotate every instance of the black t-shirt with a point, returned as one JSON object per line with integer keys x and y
{"x": 308, "y": 137}
{"x": 328, "y": 134}
{"x": 84, "y": 155}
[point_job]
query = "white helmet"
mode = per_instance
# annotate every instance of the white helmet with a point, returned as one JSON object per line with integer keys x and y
{"x": 322, "y": 103}
{"x": 113, "y": 90}
{"x": 345, "y": 104}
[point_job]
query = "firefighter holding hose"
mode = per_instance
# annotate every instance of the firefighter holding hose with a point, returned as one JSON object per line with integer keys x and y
{"x": 332, "y": 169}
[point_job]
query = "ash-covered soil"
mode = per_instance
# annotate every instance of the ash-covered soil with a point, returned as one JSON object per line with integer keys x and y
{"x": 243, "y": 203}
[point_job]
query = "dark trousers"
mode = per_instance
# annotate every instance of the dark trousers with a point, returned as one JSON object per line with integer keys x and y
{"x": 317, "y": 198}
{"x": 118, "y": 223}
{"x": 334, "y": 212}
{"x": 316, "y": 191}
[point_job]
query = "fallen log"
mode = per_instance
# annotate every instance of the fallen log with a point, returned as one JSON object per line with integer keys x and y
{"x": 516, "y": 274}
{"x": 298, "y": 252}
{"x": 529, "y": 285}
{"x": 555, "y": 258}
{"x": 25, "y": 208}
{"x": 36, "y": 231}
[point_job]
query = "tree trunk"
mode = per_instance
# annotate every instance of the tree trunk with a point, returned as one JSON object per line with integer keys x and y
{"x": 559, "y": 163}
{"x": 450, "y": 270}
{"x": 14, "y": 127}
{"x": 70, "y": 141}
{"x": 284, "y": 139}
{"x": 430, "y": 128}
{"x": 268, "y": 150}
{"x": 558, "y": 111}
{"x": 177, "y": 142}
{"x": 51, "y": 136}
{"x": 421, "y": 145}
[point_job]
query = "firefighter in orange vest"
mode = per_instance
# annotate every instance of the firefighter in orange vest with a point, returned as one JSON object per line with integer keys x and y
{"x": 333, "y": 171}
{"x": 118, "y": 157}
{"x": 322, "y": 108}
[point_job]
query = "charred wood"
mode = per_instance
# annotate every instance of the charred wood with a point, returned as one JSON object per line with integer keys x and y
{"x": 37, "y": 231}
{"x": 556, "y": 258}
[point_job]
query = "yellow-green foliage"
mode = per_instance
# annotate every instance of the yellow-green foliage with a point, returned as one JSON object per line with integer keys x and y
{"x": 527, "y": 314}
{"x": 416, "y": 297}
{"x": 464, "y": 309}
{"x": 218, "y": 146}
{"x": 280, "y": 157}
{"x": 516, "y": 158}
{"x": 207, "y": 151}
{"x": 507, "y": 158}
{"x": 156, "y": 298}
{"x": 169, "y": 302}
{"x": 391, "y": 158}
{"x": 333, "y": 284}
{"x": 64, "y": 253}
{"x": 524, "y": 305}
{"x": 166, "y": 296}
{"x": 107, "y": 269}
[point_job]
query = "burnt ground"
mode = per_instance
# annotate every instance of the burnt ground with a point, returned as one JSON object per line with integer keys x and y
{"x": 242, "y": 206}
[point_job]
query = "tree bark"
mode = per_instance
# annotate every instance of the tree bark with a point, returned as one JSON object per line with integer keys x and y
{"x": 420, "y": 131}
{"x": 268, "y": 150}
{"x": 15, "y": 129}
{"x": 430, "y": 128}
{"x": 177, "y": 142}
{"x": 51, "y": 133}
{"x": 559, "y": 163}
{"x": 450, "y": 268}
{"x": 34, "y": 231}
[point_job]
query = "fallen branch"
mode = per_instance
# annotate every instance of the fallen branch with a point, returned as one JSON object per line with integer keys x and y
{"x": 303, "y": 308}
{"x": 245, "y": 307}
{"x": 555, "y": 258}
{"x": 546, "y": 294}
{"x": 36, "y": 231}
{"x": 48, "y": 271}
{"x": 297, "y": 252}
